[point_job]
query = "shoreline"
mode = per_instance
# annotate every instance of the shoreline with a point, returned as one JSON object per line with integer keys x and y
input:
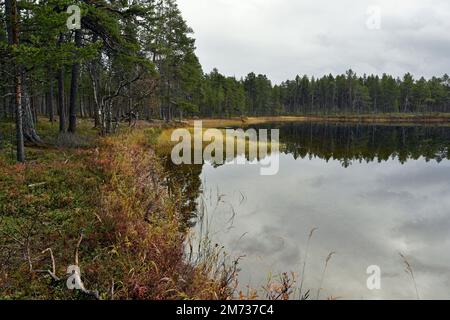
{"x": 387, "y": 119}
{"x": 105, "y": 199}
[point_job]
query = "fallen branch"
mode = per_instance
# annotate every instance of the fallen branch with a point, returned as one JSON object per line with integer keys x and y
{"x": 30, "y": 263}
{"x": 78, "y": 248}
{"x": 37, "y": 184}
{"x": 76, "y": 273}
{"x": 53, "y": 272}
{"x": 81, "y": 286}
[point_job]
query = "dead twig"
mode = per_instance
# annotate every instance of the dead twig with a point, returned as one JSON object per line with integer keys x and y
{"x": 37, "y": 184}
{"x": 78, "y": 248}
{"x": 53, "y": 272}
{"x": 76, "y": 273}
{"x": 81, "y": 287}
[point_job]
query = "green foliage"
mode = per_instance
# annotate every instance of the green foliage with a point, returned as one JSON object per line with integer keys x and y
{"x": 327, "y": 95}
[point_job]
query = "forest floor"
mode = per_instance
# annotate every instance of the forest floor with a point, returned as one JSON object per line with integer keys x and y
{"x": 388, "y": 118}
{"x": 99, "y": 203}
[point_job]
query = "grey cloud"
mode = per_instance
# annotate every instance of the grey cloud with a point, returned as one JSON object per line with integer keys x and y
{"x": 282, "y": 38}
{"x": 387, "y": 195}
{"x": 431, "y": 229}
{"x": 318, "y": 181}
{"x": 270, "y": 246}
{"x": 430, "y": 176}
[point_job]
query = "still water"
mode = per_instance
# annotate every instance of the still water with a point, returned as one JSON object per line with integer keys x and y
{"x": 371, "y": 191}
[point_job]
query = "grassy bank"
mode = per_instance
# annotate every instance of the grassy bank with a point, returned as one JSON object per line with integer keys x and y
{"x": 100, "y": 204}
{"x": 390, "y": 118}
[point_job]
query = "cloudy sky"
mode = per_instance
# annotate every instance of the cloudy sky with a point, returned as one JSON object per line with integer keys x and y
{"x": 282, "y": 38}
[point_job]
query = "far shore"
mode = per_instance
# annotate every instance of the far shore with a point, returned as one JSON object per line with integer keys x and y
{"x": 412, "y": 119}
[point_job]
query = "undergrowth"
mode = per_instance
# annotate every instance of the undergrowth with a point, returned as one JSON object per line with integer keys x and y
{"x": 104, "y": 208}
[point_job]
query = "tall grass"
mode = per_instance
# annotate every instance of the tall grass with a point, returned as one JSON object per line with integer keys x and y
{"x": 327, "y": 260}
{"x": 305, "y": 259}
{"x": 409, "y": 270}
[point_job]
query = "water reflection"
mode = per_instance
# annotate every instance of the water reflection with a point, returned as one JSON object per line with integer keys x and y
{"x": 348, "y": 142}
{"x": 372, "y": 191}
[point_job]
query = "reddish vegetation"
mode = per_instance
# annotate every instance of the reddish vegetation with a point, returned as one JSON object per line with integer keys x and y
{"x": 133, "y": 236}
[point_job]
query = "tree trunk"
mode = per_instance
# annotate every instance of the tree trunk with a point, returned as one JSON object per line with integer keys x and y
{"x": 61, "y": 109}
{"x": 19, "y": 125}
{"x": 82, "y": 107}
{"x": 108, "y": 111}
{"x": 13, "y": 38}
{"x": 49, "y": 100}
{"x": 98, "y": 115}
{"x": 29, "y": 125}
{"x": 74, "y": 88}
{"x": 33, "y": 103}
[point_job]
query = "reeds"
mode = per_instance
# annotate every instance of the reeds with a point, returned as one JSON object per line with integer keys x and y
{"x": 311, "y": 233}
{"x": 327, "y": 260}
{"x": 409, "y": 270}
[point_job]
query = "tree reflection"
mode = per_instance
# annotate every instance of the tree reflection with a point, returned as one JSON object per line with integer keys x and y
{"x": 345, "y": 143}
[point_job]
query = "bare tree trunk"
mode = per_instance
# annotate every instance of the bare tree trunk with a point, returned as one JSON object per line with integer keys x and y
{"x": 12, "y": 22}
{"x": 49, "y": 100}
{"x": 97, "y": 102}
{"x": 98, "y": 114}
{"x": 19, "y": 125}
{"x": 10, "y": 100}
{"x": 32, "y": 99}
{"x": 28, "y": 123}
{"x": 74, "y": 88}
{"x": 89, "y": 106}
{"x": 108, "y": 117}
{"x": 82, "y": 107}
{"x": 61, "y": 109}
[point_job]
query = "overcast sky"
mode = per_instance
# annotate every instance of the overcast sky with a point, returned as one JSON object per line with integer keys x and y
{"x": 282, "y": 38}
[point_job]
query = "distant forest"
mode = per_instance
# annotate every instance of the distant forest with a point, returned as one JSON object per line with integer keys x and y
{"x": 136, "y": 60}
{"x": 347, "y": 93}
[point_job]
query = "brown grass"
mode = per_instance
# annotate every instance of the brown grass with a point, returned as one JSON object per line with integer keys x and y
{"x": 395, "y": 118}
{"x": 142, "y": 229}
{"x": 409, "y": 270}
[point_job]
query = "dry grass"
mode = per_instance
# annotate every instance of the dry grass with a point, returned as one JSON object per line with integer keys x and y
{"x": 409, "y": 270}
{"x": 327, "y": 261}
{"x": 394, "y": 118}
{"x": 143, "y": 229}
{"x": 305, "y": 259}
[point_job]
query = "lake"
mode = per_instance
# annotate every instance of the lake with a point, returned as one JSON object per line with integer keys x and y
{"x": 372, "y": 192}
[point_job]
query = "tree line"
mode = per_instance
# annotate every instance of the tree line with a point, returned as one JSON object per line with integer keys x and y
{"x": 135, "y": 59}
{"x": 346, "y": 93}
